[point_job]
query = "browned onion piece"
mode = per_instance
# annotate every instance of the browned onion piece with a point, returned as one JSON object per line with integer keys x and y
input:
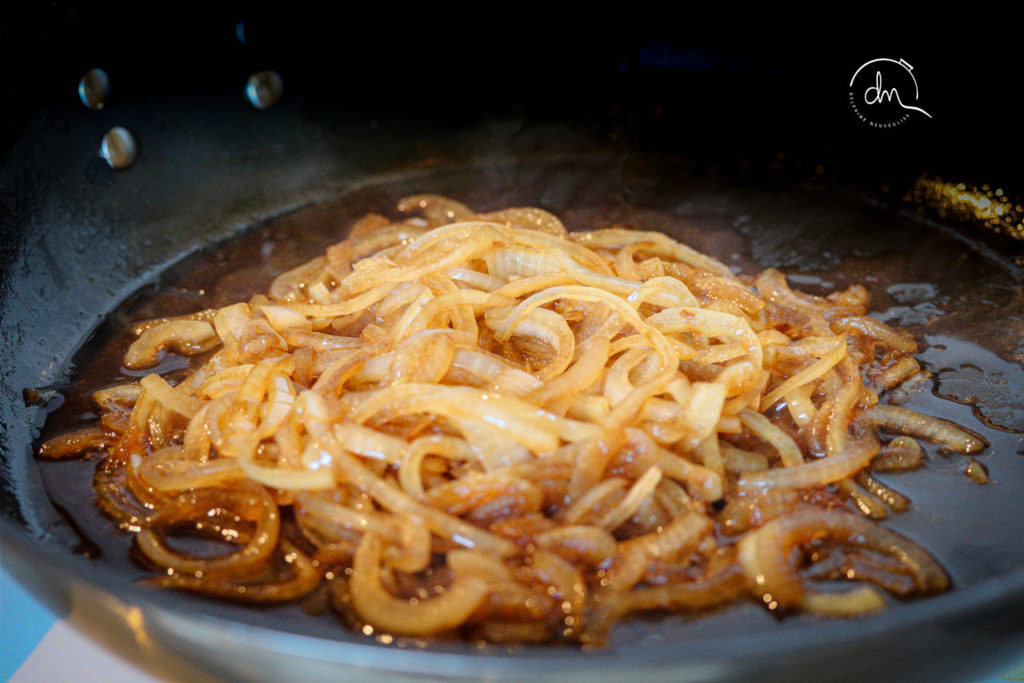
{"x": 186, "y": 337}
{"x": 117, "y": 397}
{"x": 772, "y": 285}
{"x": 876, "y": 330}
{"x": 528, "y": 217}
{"x": 719, "y": 589}
{"x": 768, "y": 561}
{"x": 868, "y": 505}
{"x": 590, "y": 545}
{"x": 304, "y": 577}
{"x": 976, "y": 471}
{"x": 114, "y": 496}
{"x": 248, "y": 502}
{"x": 904, "y": 421}
{"x": 899, "y": 455}
{"x": 74, "y": 443}
{"x": 853, "y": 603}
{"x": 894, "y": 499}
{"x": 829, "y": 469}
{"x": 437, "y": 209}
{"x": 899, "y": 371}
{"x": 391, "y": 614}
{"x": 139, "y": 328}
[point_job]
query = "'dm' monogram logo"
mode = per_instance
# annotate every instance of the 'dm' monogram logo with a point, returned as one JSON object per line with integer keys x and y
{"x": 884, "y": 93}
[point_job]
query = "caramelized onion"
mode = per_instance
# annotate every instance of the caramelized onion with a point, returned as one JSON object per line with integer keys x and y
{"x": 479, "y": 423}
{"x": 412, "y": 617}
{"x": 903, "y": 421}
{"x": 829, "y": 469}
{"x": 767, "y": 558}
{"x": 186, "y": 337}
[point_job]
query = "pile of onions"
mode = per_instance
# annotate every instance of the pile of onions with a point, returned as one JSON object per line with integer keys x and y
{"x": 480, "y": 425}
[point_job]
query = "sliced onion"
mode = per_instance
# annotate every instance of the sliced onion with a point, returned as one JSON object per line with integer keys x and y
{"x": 187, "y": 337}
{"x": 827, "y": 470}
{"x": 904, "y": 421}
{"x": 767, "y": 558}
{"x": 390, "y": 614}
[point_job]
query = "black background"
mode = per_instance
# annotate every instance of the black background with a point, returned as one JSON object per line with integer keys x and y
{"x": 720, "y": 85}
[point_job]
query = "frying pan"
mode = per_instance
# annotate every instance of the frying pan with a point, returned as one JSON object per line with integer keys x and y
{"x": 730, "y": 147}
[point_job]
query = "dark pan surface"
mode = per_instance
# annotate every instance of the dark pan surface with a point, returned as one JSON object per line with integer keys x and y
{"x": 77, "y": 244}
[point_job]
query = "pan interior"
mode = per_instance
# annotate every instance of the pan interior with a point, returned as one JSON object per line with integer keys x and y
{"x": 963, "y": 304}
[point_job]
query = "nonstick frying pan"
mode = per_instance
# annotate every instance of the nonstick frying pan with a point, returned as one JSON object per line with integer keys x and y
{"x": 80, "y": 239}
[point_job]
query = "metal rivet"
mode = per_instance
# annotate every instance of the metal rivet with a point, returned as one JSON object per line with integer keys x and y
{"x": 119, "y": 148}
{"x": 94, "y": 88}
{"x": 264, "y": 89}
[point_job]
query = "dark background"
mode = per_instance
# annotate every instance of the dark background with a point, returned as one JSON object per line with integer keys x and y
{"x": 725, "y": 86}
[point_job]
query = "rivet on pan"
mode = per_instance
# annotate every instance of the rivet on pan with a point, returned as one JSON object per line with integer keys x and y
{"x": 94, "y": 88}
{"x": 119, "y": 148}
{"x": 264, "y": 89}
